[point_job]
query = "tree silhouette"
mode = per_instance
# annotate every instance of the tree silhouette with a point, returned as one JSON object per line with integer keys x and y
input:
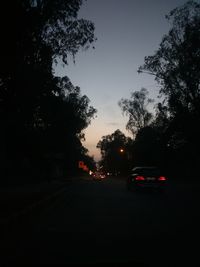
{"x": 175, "y": 66}
{"x": 68, "y": 115}
{"x": 176, "y": 63}
{"x": 33, "y": 110}
{"x": 136, "y": 109}
{"x": 116, "y": 153}
{"x": 149, "y": 148}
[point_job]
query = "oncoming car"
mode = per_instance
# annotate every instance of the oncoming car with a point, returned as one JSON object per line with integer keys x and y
{"x": 146, "y": 177}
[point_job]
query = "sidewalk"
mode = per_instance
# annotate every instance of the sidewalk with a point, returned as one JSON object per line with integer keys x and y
{"x": 19, "y": 200}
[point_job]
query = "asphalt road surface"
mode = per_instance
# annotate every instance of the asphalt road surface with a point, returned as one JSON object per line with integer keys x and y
{"x": 100, "y": 223}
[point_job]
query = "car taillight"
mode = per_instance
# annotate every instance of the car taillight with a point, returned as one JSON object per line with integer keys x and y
{"x": 162, "y": 178}
{"x": 139, "y": 178}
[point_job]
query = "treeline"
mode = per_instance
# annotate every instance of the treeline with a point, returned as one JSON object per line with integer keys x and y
{"x": 169, "y": 137}
{"x": 42, "y": 116}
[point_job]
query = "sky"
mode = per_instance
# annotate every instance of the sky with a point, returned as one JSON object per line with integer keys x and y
{"x": 126, "y": 31}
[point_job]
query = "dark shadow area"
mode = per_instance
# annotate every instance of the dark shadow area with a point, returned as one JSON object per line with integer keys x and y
{"x": 100, "y": 223}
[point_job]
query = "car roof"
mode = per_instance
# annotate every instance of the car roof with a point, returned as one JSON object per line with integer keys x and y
{"x": 145, "y": 168}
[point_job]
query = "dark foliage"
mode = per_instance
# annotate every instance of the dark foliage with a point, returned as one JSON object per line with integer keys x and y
{"x": 136, "y": 109}
{"x": 176, "y": 66}
{"x": 42, "y": 117}
{"x": 116, "y": 153}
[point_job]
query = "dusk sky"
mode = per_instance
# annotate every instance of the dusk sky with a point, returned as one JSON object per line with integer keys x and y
{"x": 127, "y": 31}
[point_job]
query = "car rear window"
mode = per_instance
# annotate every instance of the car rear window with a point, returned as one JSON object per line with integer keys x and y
{"x": 149, "y": 172}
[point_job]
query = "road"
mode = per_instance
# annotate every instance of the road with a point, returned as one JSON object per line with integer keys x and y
{"x": 101, "y": 223}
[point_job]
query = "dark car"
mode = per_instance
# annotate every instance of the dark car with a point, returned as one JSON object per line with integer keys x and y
{"x": 146, "y": 177}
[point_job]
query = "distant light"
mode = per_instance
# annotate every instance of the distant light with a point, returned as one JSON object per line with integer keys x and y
{"x": 121, "y": 150}
{"x": 90, "y": 172}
